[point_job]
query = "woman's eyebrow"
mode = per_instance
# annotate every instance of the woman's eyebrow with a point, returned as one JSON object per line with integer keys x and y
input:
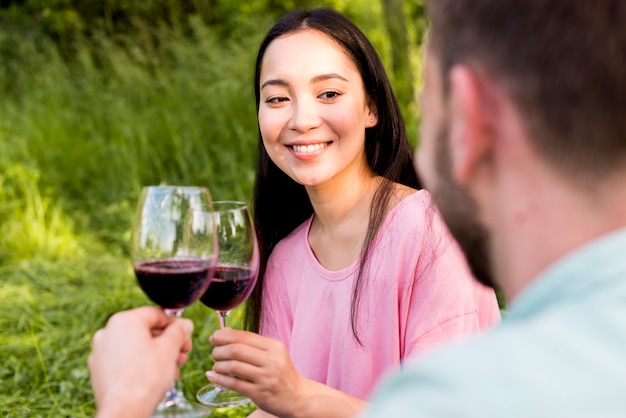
{"x": 329, "y": 76}
{"x": 316, "y": 79}
{"x": 273, "y": 83}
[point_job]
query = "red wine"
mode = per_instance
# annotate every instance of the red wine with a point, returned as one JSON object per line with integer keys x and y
{"x": 229, "y": 287}
{"x": 172, "y": 283}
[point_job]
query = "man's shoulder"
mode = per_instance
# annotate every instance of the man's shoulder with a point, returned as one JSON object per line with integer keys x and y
{"x": 526, "y": 368}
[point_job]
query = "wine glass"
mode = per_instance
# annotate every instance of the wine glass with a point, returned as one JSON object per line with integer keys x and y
{"x": 234, "y": 278}
{"x": 173, "y": 255}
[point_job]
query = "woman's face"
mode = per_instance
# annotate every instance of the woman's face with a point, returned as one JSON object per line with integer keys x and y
{"x": 313, "y": 110}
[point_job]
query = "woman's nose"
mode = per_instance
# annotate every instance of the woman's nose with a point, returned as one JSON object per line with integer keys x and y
{"x": 304, "y": 116}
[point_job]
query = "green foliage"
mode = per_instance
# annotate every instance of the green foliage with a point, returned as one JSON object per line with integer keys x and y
{"x": 186, "y": 116}
{"x": 78, "y": 139}
{"x": 53, "y": 312}
{"x": 31, "y": 224}
{"x": 53, "y": 309}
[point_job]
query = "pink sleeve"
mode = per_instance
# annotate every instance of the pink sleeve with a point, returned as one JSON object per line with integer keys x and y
{"x": 445, "y": 302}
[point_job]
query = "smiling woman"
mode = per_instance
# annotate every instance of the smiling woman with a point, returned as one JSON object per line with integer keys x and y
{"x": 313, "y": 113}
{"x": 339, "y": 300}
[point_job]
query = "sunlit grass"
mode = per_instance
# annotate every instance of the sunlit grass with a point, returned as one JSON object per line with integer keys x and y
{"x": 37, "y": 225}
{"x": 77, "y": 142}
{"x": 51, "y": 311}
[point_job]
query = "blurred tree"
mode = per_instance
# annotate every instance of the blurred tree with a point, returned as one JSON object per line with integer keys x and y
{"x": 395, "y": 27}
{"x": 402, "y": 72}
{"x": 65, "y": 21}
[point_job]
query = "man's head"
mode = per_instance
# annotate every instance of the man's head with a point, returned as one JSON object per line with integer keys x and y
{"x": 562, "y": 66}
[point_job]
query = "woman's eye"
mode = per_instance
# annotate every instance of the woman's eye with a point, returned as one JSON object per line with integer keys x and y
{"x": 273, "y": 100}
{"x": 329, "y": 95}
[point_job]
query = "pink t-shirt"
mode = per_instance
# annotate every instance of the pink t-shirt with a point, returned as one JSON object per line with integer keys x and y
{"x": 417, "y": 293}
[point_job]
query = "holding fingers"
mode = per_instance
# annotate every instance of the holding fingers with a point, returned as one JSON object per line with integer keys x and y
{"x": 260, "y": 368}
{"x": 264, "y": 372}
{"x": 135, "y": 359}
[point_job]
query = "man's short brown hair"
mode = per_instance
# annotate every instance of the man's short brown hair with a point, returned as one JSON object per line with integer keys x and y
{"x": 562, "y": 62}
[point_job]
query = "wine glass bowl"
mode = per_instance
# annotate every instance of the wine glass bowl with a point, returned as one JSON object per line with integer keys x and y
{"x": 174, "y": 254}
{"x": 231, "y": 285}
{"x": 234, "y": 278}
{"x": 173, "y": 284}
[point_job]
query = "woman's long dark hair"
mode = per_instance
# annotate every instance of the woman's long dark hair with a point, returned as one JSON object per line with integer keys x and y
{"x": 281, "y": 204}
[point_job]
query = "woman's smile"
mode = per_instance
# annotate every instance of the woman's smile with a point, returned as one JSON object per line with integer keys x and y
{"x": 309, "y": 150}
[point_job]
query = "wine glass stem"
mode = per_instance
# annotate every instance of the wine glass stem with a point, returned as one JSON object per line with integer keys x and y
{"x": 224, "y": 317}
{"x": 174, "y": 397}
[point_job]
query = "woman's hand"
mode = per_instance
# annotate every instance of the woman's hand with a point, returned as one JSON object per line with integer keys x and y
{"x": 260, "y": 368}
{"x": 263, "y": 369}
{"x": 134, "y": 360}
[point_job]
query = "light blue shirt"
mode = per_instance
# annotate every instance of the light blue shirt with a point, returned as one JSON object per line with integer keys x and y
{"x": 560, "y": 351}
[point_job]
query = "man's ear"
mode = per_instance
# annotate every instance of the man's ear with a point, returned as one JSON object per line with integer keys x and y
{"x": 470, "y": 115}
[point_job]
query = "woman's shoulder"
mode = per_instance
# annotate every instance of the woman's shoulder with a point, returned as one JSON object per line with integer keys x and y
{"x": 412, "y": 221}
{"x": 408, "y": 205}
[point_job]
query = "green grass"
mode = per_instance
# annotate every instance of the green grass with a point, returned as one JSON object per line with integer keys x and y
{"x": 77, "y": 141}
{"x": 51, "y": 311}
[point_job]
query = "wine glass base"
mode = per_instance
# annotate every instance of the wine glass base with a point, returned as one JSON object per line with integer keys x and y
{"x": 182, "y": 413}
{"x": 177, "y": 406}
{"x": 218, "y": 396}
